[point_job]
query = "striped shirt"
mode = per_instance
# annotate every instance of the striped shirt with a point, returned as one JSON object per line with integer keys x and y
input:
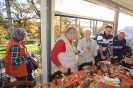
{"x": 104, "y": 41}
{"x": 15, "y": 56}
{"x": 119, "y": 46}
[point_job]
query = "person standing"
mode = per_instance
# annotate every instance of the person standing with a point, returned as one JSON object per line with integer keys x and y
{"x": 105, "y": 41}
{"x": 39, "y": 42}
{"x": 17, "y": 58}
{"x": 63, "y": 53}
{"x": 86, "y": 48}
{"x": 119, "y": 44}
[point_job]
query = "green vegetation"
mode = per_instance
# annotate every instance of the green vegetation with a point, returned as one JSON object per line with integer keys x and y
{"x": 31, "y": 48}
{"x": 2, "y": 50}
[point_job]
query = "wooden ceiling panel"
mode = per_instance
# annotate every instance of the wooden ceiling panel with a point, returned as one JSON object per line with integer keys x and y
{"x": 126, "y": 3}
{"x": 124, "y": 6}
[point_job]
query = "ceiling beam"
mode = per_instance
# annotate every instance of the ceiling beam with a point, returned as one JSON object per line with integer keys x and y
{"x": 110, "y": 4}
{"x": 59, "y": 13}
{"x": 123, "y": 4}
{"x": 102, "y": 4}
{"x": 117, "y": 5}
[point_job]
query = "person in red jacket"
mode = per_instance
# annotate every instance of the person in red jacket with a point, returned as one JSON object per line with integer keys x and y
{"x": 17, "y": 61}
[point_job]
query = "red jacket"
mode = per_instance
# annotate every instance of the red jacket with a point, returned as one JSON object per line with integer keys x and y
{"x": 20, "y": 70}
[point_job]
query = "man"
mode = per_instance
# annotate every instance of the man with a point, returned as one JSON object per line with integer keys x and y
{"x": 119, "y": 44}
{"x": 129, "y": 60}
{"x": 87, "y": 49}
{"x": 63, "y": 53}
{"x": 104, "y": 39}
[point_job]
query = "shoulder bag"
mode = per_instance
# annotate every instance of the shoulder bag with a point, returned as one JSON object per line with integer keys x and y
{"x": 34, "y": 64}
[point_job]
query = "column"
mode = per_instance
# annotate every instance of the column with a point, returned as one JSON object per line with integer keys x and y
{"x": 47, "y": 36}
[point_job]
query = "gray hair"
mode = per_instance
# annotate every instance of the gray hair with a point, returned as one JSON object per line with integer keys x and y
{"x": 71, "y": 30}
{"x": 19, "y": 34}
{"x": 123, "y": 33}
{"x": 88, "y": 30}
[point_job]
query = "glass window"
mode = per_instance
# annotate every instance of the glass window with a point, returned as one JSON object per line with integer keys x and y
{"x": 125, "y": 24}
{"x": 84, "y": 8}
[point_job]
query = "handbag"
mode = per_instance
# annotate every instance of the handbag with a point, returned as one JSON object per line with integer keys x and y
{"x": 34, "y": 64}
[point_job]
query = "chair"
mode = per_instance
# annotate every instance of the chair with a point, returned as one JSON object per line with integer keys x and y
{"x": 19, "y": 83}
{"x": 52, "y": 76}
{"x": 80, "y": 67}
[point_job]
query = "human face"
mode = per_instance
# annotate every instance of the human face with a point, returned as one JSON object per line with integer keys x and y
{"x": 121, "y": 37}
{"x": 108, "y": 31}
{"x": 87, "y": 35}
{"x": 74, "y": 35}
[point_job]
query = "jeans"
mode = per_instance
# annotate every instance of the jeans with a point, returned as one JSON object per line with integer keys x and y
{"x": 28, "y": 78}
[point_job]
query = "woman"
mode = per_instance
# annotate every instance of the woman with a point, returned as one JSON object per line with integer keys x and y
{"x": 86, "y": 49}
{"x": 17, "y": 61}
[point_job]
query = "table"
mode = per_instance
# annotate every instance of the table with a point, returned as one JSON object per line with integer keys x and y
{"x": 71, "y": 79}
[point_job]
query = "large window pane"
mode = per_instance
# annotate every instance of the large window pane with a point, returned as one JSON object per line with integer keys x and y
{"x": 81, "y": 7}
{"x": 125, "y": 23}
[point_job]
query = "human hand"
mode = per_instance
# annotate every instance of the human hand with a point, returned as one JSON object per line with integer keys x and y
{"x": 27, "y": 54}
{"x": 109, "y": 59}
{"x": 63, "y": 69}
{"x": 103, "y": 57}
{"x": 128, "y": 60}
{"x": 89, "y": 48}
{"x": 86, "y": 50}
{"x": 111, "y": 56}
{"x": 77, "y": 52}
{"x": 132, "y": 57}
{"x": 93, "y": 55}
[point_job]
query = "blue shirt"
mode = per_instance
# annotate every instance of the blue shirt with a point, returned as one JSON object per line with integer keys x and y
{"x": 119, "y": 46}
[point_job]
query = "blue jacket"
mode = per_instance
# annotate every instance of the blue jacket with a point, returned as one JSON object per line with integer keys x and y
{"x": 119, "y": 46}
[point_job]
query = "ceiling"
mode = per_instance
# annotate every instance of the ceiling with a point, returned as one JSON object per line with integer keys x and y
{"x": 128, "y": 3}
{"x": 125, "y": 3}
{"x": 125, "y": 6}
